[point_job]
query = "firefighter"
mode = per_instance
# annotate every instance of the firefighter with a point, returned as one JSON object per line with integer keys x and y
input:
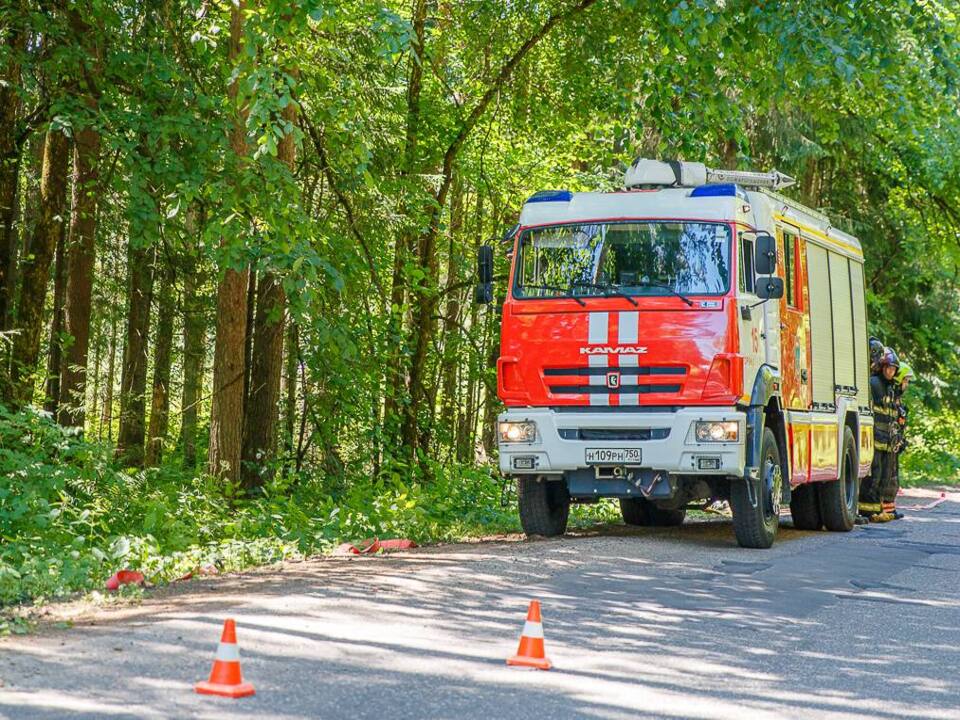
{"x": 877, "y": 483}
{"x": 898, "y": 440}
{"x": 876, "y": 352}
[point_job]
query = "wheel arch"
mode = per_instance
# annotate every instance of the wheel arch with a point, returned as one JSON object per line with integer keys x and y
{"x": 766, "y": 410}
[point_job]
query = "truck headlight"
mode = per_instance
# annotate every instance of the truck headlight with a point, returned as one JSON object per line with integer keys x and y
{"x": 726, "y": 431}
{"x": 518, "y": 432}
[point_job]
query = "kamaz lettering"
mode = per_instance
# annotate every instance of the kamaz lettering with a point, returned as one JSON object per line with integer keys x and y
{"x": 632, "y": 350}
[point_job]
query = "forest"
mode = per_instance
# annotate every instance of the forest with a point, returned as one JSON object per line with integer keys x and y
{"x": 238, "y": 240}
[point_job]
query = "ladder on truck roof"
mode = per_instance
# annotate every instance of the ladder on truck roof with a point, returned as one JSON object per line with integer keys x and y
{"x": 645, "y": 173}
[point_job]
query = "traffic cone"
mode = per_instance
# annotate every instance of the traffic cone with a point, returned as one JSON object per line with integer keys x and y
{"x": 225, "y": 677}
{"x": 530, "y": 652}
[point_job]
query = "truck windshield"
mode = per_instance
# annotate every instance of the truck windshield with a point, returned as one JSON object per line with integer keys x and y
{"x": 624, "y": 258}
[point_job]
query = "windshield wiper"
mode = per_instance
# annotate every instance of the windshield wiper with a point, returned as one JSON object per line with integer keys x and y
{"x": 608, "y": 290}
{"x": 566, "y": 292}
{"x": 668, "y": 288}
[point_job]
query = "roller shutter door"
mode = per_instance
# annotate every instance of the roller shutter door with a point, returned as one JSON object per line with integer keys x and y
{"x": 844, "y": 343}
{"x": 821, "y": 327}
{"x": 860, "y": 334}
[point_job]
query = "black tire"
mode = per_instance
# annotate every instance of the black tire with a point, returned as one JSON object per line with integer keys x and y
{"x": 805, "y": 507}
{"x": 756, "y": 515}
{"x": 544, "y": 506}
{"x": 838, "y": 498}
{"x": 638, "y": 511}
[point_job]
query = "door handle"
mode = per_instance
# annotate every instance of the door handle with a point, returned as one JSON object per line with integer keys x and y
{"x": 803, "y": 376}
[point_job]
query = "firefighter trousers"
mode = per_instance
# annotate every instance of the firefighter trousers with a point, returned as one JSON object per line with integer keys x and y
{"x": 874, "y": 486}
{"x": 891, "y": 487}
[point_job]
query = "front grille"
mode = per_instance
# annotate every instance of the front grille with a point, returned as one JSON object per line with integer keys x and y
{"x": 604, "y": 390}
{"x": 623, "y": 369}
{"x": 614, "y": 433}
{"x": 617, "y": 409}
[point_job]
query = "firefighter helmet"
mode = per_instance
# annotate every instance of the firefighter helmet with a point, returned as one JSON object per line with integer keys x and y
{"x": 876, "y": 351}
{"x": 904, "y": 373}
{"x": 889, "y": 358}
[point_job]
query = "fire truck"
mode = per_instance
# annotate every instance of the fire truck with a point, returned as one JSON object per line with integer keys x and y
{"x": 692, "y": 338}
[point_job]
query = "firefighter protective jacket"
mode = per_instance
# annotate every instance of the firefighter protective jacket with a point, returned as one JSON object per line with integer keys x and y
{"x": 884, "y": 412}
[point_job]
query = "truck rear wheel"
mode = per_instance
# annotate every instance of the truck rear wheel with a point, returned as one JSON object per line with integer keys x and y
{"x": 838, "y": 498}
{"x": 544, "y": 506}
{"x": 642, "y": 512}
{"x": 756, "y": 503}
{"x": 805, "y": 507}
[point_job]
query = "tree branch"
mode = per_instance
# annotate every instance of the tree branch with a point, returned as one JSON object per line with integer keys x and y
{"x": 341, "y": 198}
{"x": 505, "y": 72}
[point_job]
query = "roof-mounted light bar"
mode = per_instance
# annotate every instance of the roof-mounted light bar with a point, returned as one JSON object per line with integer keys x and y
{"x": 645, "y": 173}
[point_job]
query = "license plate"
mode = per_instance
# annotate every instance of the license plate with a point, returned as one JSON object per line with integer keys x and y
{"x": 613, "y": 456}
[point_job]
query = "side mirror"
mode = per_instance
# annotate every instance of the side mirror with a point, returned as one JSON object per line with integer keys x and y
{"x": 769, "y": 288}
{"x": 485, "y": 264}
{"x": 765, "y": 262}
{"x": 484, "y": 292}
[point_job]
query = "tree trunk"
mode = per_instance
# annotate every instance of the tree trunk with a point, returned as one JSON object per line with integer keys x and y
{"x": 396, "y": 364}
{"x": 260, "y": 428}
{"x": 290, "y": 409}
{"x": 451, "y": 331}
{"x": 260, "y": 421}
{"x": 36, "y": 268}
{"x": 226, "y": 411}
{"x": 468, "y": 419}
{"x": 10, "y": 150}
{"x": 106, "y": 418}
{"x": 51, "y": 401}
{"x": 97, "y": 350}
{"x": 80, "y": 264}
{"x": 133, "y": 378}
{"x": 194, "y": 354}
{"x": 162, "y": 357}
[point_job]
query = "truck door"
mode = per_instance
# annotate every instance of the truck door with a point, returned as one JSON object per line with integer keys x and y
{"x": 750, "y": 317}
{"x": 795, "y": 347}
{"x": 794, "y": 324}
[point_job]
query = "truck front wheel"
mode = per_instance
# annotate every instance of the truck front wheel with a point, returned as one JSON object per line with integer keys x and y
{"x": 756, "y": 503}
{"x": 638, "y": 511}
{"x": 544, "y": 506}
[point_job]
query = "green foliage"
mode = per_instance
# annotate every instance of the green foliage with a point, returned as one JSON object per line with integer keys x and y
{"x": 933, "y": 452}
{"x": 69, "y": 517}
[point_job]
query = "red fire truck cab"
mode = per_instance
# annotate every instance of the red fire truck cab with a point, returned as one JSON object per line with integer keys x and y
{"x": 693, "y": 338}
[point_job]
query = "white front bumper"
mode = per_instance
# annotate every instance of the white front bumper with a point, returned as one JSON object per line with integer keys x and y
{"x": 678, "y": 453}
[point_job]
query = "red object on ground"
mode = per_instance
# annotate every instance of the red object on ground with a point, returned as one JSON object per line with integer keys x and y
{"x": 371, "y": 546}
{"x": 225, "y": 677}
{"x": 930, "y": 506}
{"x": 531, "y": 653}
{"x": 124, "y": 577}
{"x": 388, "y": 545}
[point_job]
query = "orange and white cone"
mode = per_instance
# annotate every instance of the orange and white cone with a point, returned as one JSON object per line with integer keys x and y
{"x": 225, "y": 678}
{"x": 530, "y": 653}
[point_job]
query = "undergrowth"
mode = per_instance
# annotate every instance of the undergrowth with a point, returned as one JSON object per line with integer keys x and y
{"x": 70, "y": 516}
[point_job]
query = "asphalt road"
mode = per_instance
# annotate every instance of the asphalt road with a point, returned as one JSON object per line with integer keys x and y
{"x": 676, "y": 623}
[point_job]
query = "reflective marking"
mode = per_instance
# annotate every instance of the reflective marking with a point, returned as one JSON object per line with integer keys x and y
{"x": 601, "y": 380}
{"x": 228, "y": 652}
{"x": 532, "y": 630}
{"x": 628, "y": 361}
{"x": 598, "y": 328}
{"x": 628, "y": 328}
